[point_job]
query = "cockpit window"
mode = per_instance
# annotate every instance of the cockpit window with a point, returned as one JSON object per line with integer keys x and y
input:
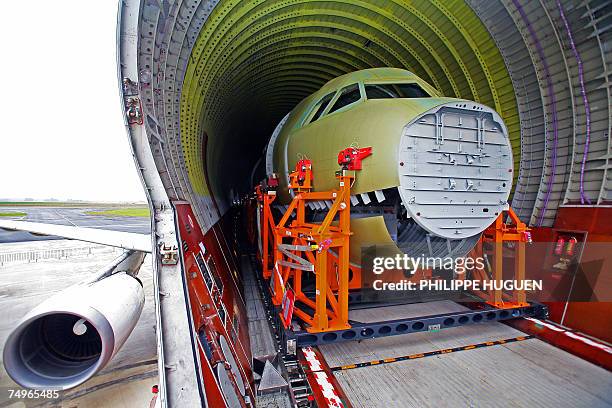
{"x": 320, "y": 107}
{"x": 383, "y": 91}
{"x": 348, "y": 95}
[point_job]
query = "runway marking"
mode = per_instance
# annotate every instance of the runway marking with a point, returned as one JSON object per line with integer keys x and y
{"x": 431, "y": 353}
{"x": 66, "y": 218}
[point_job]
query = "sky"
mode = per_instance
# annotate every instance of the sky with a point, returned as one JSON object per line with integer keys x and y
{"x": 61, "y": 128}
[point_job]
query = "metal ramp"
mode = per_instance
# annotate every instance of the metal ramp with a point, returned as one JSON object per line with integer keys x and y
{"x": 518, "y": 374}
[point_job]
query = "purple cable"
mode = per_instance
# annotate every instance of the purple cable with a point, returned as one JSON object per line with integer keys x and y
{"x": 587, "y": 110}
{"x": 553, "y": 102}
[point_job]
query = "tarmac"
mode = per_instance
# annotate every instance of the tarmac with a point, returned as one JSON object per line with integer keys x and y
{"x": 128, "y": 378}
{"x": 71, "y": 216}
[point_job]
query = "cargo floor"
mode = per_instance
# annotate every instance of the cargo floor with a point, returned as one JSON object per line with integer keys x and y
{"x": 529, "y": 373}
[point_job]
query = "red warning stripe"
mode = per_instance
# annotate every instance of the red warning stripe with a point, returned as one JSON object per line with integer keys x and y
{"x": 325, "y": 387}
{"x": 566, "y": 339}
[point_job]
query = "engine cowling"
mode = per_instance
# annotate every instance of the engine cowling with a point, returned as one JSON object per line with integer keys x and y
{"x": 71, "y": 336}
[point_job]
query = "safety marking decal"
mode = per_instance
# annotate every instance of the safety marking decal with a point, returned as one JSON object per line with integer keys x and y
{"x": 431, "y": 353}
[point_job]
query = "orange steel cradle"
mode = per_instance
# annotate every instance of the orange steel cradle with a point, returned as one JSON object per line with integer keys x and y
{"x": 499, "y": 232}
{"x": 294, "y": 248}
{"x": 301, "y": 247}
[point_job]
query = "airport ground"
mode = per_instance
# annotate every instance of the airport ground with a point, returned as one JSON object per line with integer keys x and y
{"x": 127, "y": 380}
{"x": 104, "y": 217}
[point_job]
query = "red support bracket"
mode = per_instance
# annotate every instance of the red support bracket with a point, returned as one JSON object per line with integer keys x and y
{"x": 351, "y": 157}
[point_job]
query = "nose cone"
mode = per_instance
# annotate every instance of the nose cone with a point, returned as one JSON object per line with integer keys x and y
{"x": 455, "y": 169}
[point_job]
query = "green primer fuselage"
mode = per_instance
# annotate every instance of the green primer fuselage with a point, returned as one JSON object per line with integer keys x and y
{"x": 377, "y": 123}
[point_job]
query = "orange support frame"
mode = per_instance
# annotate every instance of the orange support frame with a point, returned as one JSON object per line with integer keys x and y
{"x": 498, "y": 233}
{"x": 300, "y": 248}
{"x": 267, "y": 227}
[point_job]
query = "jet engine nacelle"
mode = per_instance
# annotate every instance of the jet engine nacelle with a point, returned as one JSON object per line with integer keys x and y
{"x": 71, "y": 336}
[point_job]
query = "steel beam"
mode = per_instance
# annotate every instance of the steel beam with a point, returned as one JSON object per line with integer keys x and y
{"x": 432, "y": 323}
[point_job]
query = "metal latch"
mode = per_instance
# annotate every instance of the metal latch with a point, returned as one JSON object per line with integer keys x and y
{"x": 169, "y": 254}
{"x": 291, "y": 347}
{"x": 133, "y": 110}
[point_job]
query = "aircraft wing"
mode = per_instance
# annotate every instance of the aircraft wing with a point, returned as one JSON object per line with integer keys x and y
{"x": 120, "y": 239}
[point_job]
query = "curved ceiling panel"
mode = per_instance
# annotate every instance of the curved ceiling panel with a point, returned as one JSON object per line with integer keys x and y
{"x": 216, "y": 76}
{"x": 253, "y": 61}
